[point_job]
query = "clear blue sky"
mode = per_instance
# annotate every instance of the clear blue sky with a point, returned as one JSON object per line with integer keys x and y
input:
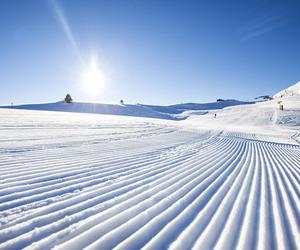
{"x": 155, "y": 52}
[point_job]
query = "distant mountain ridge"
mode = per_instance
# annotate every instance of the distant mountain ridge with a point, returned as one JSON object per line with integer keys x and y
{"x": 172, "y": 112}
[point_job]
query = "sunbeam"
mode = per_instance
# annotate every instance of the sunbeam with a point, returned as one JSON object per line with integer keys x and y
{"x": 63, "y": 22}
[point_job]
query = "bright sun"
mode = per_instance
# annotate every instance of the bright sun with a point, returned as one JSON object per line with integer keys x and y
{"x": 93, "y": 79}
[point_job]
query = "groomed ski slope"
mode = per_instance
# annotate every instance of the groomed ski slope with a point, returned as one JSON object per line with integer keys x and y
{"x": 75, "y": 181}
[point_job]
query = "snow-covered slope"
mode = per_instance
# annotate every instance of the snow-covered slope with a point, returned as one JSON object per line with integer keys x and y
{"x": 209, "y": 106}
{"x": 98, "y": 108}
{"x": 260, "y": 114}
{"x": 178, "y": 108}
{"x": 265, "y": 118}
{"x": 290, "y": 91}
{"x": 174, "y": 112}
{"x": 85, "y": 181}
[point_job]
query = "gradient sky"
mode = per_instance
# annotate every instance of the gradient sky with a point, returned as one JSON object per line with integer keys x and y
{"x": 154, "y": 52}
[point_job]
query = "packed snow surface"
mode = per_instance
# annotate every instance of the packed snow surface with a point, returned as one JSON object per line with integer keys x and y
{"x": 87, "y": 181}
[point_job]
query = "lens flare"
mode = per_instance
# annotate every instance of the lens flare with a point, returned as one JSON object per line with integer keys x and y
{"x": 93, "y": 79}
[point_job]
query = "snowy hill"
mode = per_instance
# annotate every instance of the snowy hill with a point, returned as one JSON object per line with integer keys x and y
{"x": 98, "y": 108}
{"x": 209, "y": 106}
{"x": 173, "y": 112}
{"x": 262, "y": 117}
{"x": 259, "y": 114}
{"x": 290, "y": 91}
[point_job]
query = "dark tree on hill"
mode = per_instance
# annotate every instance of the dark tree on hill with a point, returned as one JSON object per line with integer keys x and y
{"x": 68, "y": 98}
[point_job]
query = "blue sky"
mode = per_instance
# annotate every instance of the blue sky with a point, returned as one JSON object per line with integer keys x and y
{"x": 154, "y": 52}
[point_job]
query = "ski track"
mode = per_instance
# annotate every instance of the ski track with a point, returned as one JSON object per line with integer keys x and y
{"x": 146, "y": 185}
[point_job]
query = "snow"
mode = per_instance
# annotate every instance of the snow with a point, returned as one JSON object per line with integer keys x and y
{"x": 77, "y": 180}
{"x": 290, "y": 91}
{"x": 173, "y": 112}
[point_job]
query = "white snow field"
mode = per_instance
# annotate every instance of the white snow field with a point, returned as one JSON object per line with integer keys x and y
{"x": 89, "y": 181}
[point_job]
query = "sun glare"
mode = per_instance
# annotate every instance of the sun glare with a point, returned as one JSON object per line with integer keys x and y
{"x": 93, "y": 79}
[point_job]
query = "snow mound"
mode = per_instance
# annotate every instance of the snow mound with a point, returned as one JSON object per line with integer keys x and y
{"x": 290, "y": 91}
